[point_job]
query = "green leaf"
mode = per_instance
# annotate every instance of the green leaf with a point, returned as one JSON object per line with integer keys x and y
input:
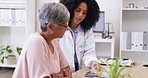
{"x": 2, "y": 53}
{"x": 8, "y": 48}
{"x": 18, "y": 49}
{"x": 2, "y": 60}
{"x": 121, "y": 69}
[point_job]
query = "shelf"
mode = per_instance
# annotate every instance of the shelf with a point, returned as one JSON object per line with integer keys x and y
{"x": 99, "y": 39}
{"x": 103, "y": 57}
{"x": 16, "y": 33}
{"x": 133, "y": 23}
{"x": 136, "y": 50}
{"x": 12, "y": 5}
{"x": 12, "y": 26}
{"x": 104, "y": 47}
{"x": 9, "y": 66}
{"x": 134, "y": 9}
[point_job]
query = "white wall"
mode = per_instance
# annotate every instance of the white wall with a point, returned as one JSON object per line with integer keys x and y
{"x": 112, "y": 15}
{"x": 39, "y": 2}
{"x": 30, "y": 17}
{"x": 112, "y": 10}
{"x": 38, "y": 5}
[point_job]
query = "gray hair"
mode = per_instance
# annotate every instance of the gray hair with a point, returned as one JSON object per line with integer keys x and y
{"x": 54, "y": 13}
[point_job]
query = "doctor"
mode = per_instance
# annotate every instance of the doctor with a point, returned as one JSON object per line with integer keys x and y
{"x": 78, "y": 43}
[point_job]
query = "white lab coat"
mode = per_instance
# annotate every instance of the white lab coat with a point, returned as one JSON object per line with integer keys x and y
{"x": 85, "y": 48}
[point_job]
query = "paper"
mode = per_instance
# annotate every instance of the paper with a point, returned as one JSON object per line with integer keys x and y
{"x": 126, "y": 62}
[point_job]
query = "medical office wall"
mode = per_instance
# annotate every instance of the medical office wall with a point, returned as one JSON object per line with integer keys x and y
{"x": 112, "y": 10}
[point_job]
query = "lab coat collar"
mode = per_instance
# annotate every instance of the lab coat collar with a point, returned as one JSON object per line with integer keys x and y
{"x": 80, "y": 34}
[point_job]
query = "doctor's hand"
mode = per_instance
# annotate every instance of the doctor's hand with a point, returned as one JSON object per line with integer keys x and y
{"x": 95, "y": 66}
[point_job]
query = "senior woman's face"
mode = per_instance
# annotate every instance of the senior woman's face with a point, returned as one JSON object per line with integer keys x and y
{"x": 80, "y": 13}
{"x": 60, "y": 30}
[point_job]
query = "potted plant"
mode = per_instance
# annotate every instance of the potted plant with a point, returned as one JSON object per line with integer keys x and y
{"x": 18, "y": 49}
{"x": 115, "y": 70}
{"x": 7, "y": 56}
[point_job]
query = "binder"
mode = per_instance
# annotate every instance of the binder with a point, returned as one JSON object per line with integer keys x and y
{"x": 128, "y": 41}
{"x": 9, "y": 17}
{"x": 13, "y": 17}
{"x": 133, "y": 41}
{"x": 140, "y": 40}
{"x": 122, "y": 40}
{"x": 125, "y": 40}
{"x": 145, "y": 35}
{"x": 0, "y": 16}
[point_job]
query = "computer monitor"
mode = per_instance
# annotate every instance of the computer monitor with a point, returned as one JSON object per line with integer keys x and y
{"x": 100, "y": 25}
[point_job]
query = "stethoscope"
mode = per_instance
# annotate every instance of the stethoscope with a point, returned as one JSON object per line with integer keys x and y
{"x": 82, "y": 44}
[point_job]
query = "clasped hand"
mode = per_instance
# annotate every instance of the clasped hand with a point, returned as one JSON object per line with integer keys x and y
{"x": 64, "y": 73}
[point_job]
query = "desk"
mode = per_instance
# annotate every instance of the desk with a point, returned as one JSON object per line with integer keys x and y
{"x": 137, "y": 71}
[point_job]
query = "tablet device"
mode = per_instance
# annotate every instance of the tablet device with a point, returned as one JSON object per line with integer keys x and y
{"x": 91, "y": 74}
{"x": 145, "y": 65}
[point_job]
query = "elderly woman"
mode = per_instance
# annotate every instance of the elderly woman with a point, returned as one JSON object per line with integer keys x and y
{"x": 41, "y": 55}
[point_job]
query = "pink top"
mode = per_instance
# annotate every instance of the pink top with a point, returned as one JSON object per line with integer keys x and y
{"x": 36, "y": 60}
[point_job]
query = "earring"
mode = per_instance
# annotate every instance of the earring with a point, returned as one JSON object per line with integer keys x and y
{"x": 51, "y": 32}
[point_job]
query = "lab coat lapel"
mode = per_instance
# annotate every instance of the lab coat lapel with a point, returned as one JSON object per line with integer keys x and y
{"x": 68, "y": 34}
{"x": 80, "y": 37}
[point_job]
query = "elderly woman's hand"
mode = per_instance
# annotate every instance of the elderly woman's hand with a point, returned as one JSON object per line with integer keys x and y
{"x": 67, "y": 72}
{"x": 64, "y": 73}
{"x": 57, "y": 75}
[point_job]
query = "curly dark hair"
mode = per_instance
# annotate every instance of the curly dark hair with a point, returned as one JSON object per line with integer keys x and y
{"x": 93, "y": 12}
